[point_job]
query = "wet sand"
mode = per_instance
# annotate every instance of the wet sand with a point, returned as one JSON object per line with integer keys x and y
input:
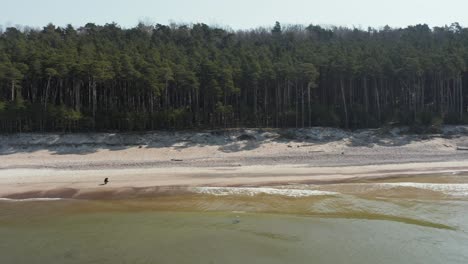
{"x": 143, "y": 182}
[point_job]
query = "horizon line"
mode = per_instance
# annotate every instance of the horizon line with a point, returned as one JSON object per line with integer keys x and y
{"x": 222, "y": 26}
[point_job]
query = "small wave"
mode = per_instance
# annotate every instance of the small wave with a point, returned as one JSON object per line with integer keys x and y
{"x": 30, "y": 199}
{"x": 454, "y": 189}
{"x": 223, "y": 191}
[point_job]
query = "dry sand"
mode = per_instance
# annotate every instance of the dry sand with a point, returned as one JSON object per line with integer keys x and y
{"x": 74, "y": 165}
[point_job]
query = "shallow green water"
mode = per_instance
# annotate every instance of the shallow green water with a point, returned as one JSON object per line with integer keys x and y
{"x": 237, "y": 229}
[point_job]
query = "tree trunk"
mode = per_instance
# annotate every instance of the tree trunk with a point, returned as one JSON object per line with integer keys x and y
{"x": 366, "y": 100}
{"x": 309, "y": 104}
{"x": 93, "y": 87}
{"x": 377, "y": 100}
{"x": 344, "y": 103}
{"x": 12, "y": 90}
{"x": 46, "y": 96}
{"x": 302, "y": 105}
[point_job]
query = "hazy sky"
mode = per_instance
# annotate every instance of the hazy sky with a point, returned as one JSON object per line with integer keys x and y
{"x": 239, "y": 14}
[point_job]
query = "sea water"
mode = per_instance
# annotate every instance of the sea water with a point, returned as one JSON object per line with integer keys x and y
{"x": 375, "y": 222}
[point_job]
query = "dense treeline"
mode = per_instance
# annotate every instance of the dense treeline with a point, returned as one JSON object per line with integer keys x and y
{"x": 178, "y": 76}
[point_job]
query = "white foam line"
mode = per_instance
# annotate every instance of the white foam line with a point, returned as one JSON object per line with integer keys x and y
{"x": 455, "y": 189}
{"x": 223, "y": 191}
{"x": 30, "y": 199}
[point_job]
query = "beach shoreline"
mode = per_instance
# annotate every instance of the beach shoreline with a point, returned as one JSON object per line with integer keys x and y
{"x": 74, "y": 165}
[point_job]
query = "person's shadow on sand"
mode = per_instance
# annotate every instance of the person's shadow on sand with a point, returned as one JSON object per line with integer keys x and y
{"x": 106, "y": 181}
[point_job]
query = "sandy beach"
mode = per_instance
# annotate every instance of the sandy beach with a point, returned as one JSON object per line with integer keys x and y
{"x": 74, "y": 165}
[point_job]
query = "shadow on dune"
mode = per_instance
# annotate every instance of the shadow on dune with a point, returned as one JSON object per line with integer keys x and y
{"x": 227, "y": 141}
